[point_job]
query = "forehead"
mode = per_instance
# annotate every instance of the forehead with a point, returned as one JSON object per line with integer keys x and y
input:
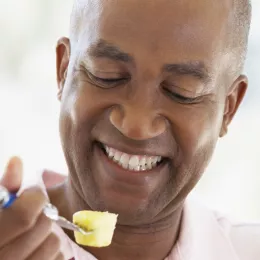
{"x": 187, "y": 29}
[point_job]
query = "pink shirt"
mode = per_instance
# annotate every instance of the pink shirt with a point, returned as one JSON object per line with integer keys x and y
{"x": 205, "y": 235}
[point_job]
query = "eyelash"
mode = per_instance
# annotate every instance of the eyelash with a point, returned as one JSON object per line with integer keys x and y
{"x": 182, "y": 99}
{"x": 111, "y": 82}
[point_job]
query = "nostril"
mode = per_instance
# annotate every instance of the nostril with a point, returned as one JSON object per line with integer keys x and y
{"x": 159, "y": 125}
{"x": 116, "y": 117}
{"x": 137, "y": 124}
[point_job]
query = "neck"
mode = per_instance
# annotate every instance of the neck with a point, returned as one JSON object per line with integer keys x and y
{"x": 144, "y": 243}
{"x": 148, "y": 242}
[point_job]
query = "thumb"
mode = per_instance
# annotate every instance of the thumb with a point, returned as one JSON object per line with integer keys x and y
{"x": 12, "y": 178}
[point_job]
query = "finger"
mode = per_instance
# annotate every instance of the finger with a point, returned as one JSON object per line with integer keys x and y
{"x": 24, "y": 246}
{"x": 13, "y": 175}
{"x": 50, "y": 249}
{"x": 22, "y": 216}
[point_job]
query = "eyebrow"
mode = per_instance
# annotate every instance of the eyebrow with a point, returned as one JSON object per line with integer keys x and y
{"x": 195, "y": 69}
{"x": 104, "y": 49}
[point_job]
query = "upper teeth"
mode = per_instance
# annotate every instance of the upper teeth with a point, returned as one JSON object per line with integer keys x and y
{"x": 132, "y": 162}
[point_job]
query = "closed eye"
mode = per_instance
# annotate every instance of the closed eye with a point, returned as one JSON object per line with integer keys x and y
{"x": 107, "y": 82}
{"x": 182, "y": 99}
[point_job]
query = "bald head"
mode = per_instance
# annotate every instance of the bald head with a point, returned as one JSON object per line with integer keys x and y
{"x": 239, "y": 26}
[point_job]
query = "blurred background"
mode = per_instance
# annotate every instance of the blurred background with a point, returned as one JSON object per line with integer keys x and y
{"x": 29, "y": 108}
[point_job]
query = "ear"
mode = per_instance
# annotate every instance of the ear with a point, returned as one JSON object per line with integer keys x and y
{"x": 234, "y": 98}
{"x": 62, "y": 63}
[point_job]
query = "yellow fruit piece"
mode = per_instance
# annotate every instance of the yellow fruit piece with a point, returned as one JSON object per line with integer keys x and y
{"x": 101, "y": 223}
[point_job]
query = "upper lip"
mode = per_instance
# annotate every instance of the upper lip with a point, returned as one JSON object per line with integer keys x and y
{"x": 135, "y": 150}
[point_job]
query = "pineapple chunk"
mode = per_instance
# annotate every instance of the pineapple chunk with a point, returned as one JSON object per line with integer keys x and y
{"x": 101, "y": 223}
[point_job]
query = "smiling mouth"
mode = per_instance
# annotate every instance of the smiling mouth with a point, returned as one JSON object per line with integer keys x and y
{"x": 137, "y": 163}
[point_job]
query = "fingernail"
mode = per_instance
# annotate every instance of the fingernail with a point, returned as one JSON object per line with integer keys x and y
{"x": 14, "y": 165}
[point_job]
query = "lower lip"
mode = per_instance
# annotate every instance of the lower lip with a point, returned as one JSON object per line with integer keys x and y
{"x": 125, "y": 175}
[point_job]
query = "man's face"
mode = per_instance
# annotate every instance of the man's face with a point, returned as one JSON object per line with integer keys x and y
{"x": 144, "y": 102}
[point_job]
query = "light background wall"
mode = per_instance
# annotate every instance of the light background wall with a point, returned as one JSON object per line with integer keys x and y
{"x": 29, "y": 108}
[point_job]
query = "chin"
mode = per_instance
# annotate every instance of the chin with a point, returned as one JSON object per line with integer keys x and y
{"x": 131, "y": 210}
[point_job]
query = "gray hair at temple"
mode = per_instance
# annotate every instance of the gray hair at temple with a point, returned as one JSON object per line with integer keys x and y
{"x": 237, "y": 41}
{"x": 242, "y": 13}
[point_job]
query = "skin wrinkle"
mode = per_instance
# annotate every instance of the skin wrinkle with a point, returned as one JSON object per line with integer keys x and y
{"x": 139, "y": 115}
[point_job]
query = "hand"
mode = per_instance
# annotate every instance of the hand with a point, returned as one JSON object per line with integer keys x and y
{"x": 25, "y": 232}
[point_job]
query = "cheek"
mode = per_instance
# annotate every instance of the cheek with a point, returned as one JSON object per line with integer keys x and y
{"x": 82, "y": 103}
{"x": 196, "y": 137}
{"x": 197, "y": 134}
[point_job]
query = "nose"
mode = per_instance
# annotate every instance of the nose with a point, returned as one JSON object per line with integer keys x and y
{"x": 137, "y": 122}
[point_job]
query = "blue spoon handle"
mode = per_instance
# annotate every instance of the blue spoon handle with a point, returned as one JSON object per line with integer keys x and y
{"x": 6, "y": 198}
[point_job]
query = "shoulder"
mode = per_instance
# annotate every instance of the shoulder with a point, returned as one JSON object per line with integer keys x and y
{"x": 242, "y": 238}
{"x": 245, "y": 238}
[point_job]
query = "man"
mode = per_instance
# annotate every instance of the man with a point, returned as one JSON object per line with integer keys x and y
{"x": 146, "y": 89}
